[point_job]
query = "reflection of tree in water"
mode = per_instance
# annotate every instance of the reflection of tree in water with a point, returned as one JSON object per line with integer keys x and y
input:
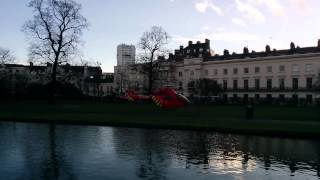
{"x": 289, "y": 152}
{"x": 49, "y": 162}
{"x": 267, "y": 162}
{"x": 195, "y": 147}
{"x": 146, "y": 147}
{"x": 57, "y": 166}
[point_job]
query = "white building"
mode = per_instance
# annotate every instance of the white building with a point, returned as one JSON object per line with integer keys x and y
{"x": 271, "y": 74}
{"x": 126, "y": 55}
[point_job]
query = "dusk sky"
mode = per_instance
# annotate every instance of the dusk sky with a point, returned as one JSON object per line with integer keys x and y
{"x": 229, "y": 24}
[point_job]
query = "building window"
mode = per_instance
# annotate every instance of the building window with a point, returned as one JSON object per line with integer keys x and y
{"x": 269, "y": 84}
{"x": 180, "y": 85}
{"x": 246, "y": 84}
{"x": 257, "y": 70}
{"x": 257, "y": 97}
{"x": 281, "y": 84}
{"x": 309, "y": 83}
{"x": 309, "y": 99}
{"x": 206, "y": 72}
{"x": 295, "y": 98}
{"x": 246, "y": 98}
{"x": 225, "y": 71}
{"x": 188, "y": 51}
{"x": 257, "y": 84}
{"x": 295, "y": 83}
{"x": 180, "y": 74}
{"x": 235, "y": 97}
{"x": 246, "y": 70}
{"x": 282, "y": 68}
{"x": 225, "y": 84}
{"x": 201, "y": 50}
{"x": 269, "y": 69}
{"x": 235, "y": 71}
{"x": 191, "y": 73}
{"x": 235, "y": 84}
{"x": 309, "y": 68}
{"x": 295, "y": 68}
{"x": 215, "y": 72}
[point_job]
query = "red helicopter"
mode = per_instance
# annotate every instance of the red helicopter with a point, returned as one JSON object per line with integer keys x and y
{"x": 164, "y": 97}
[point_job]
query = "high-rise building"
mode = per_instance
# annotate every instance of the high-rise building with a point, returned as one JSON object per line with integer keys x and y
{"x": 126, "y": 54}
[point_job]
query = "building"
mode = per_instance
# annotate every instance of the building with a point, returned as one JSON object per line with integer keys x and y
{"x": 107, "y": 84}
{"x": 85, "y": 78}
{"x": 271, "y": 74}
{"x": 126, "y": 55}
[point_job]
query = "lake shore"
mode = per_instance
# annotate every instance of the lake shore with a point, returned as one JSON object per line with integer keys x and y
{"x": 300, "y": 122}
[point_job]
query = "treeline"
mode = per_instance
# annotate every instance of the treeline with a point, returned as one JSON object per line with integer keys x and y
{"x": 37, "y": 90}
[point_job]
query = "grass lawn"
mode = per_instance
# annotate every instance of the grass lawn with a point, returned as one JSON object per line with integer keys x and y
{"x": 269, "y": 120}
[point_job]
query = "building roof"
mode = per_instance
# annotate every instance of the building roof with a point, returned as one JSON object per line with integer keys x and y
{"x": 253, "y": 54}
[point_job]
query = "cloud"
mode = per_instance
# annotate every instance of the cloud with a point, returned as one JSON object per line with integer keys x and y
{"x": 250, "y": 13}
{"x": 205, "y": 28}
{"x": 301, "y": 6}
{"x": 273, "y": 6}
{"x": 202, "y": 6}
{"x": 239, "y": 21}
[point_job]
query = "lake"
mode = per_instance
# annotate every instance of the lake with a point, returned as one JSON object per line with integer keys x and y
{"x": 43, "y": 151}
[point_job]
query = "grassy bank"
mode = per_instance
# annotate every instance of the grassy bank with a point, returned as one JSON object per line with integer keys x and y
{"x": 269, "y": 120}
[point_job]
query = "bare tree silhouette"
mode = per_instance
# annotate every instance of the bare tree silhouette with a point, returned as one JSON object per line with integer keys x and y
{"x": 152, "y": 45}
{"x": 54, "y": 32}
{"x": 6, "y": 56}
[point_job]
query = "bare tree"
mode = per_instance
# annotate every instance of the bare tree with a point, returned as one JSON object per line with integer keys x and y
{"x": 54, "y": 32}
{"x": 6, "y": 56}
{"x": 152, "y": 45}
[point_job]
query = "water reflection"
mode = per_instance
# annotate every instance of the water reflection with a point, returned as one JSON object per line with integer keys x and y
{"x": 48, "y": 151}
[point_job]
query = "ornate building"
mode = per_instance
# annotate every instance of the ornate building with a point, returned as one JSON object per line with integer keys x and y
{"x": 270, "y": 74}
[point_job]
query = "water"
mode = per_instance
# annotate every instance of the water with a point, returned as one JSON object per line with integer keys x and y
{"x": 43, "y": 151}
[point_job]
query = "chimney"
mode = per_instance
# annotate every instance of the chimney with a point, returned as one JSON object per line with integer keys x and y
{"x": 31, "y": 64}
{"x": 268, "y": 49}
{"x": 170, "y": 56}
{"x": 190, "y": 42}
{"x": 292, "y": 46}
{"x": 207, "y": 41}
{"x": 245, "y": 50}
{"x": 181, "y": 47}
{"x": 198, "y": 42}
{"x": 318, "y": 43}
{"x": 226, "y": 52}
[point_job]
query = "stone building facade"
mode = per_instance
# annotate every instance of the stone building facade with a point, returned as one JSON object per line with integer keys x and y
{"x": 291, "y": 73}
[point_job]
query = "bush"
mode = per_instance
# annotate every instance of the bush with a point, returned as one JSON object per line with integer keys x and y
{"x": 4, "y": 89}
{"x": 63, "y": 91}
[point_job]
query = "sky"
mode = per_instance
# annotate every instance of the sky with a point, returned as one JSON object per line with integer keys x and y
{"x": 229, "y": 24}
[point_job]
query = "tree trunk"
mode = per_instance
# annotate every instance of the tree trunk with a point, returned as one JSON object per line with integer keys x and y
{"x": 150, "y": 78}
{"x": 53, "y": 82}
